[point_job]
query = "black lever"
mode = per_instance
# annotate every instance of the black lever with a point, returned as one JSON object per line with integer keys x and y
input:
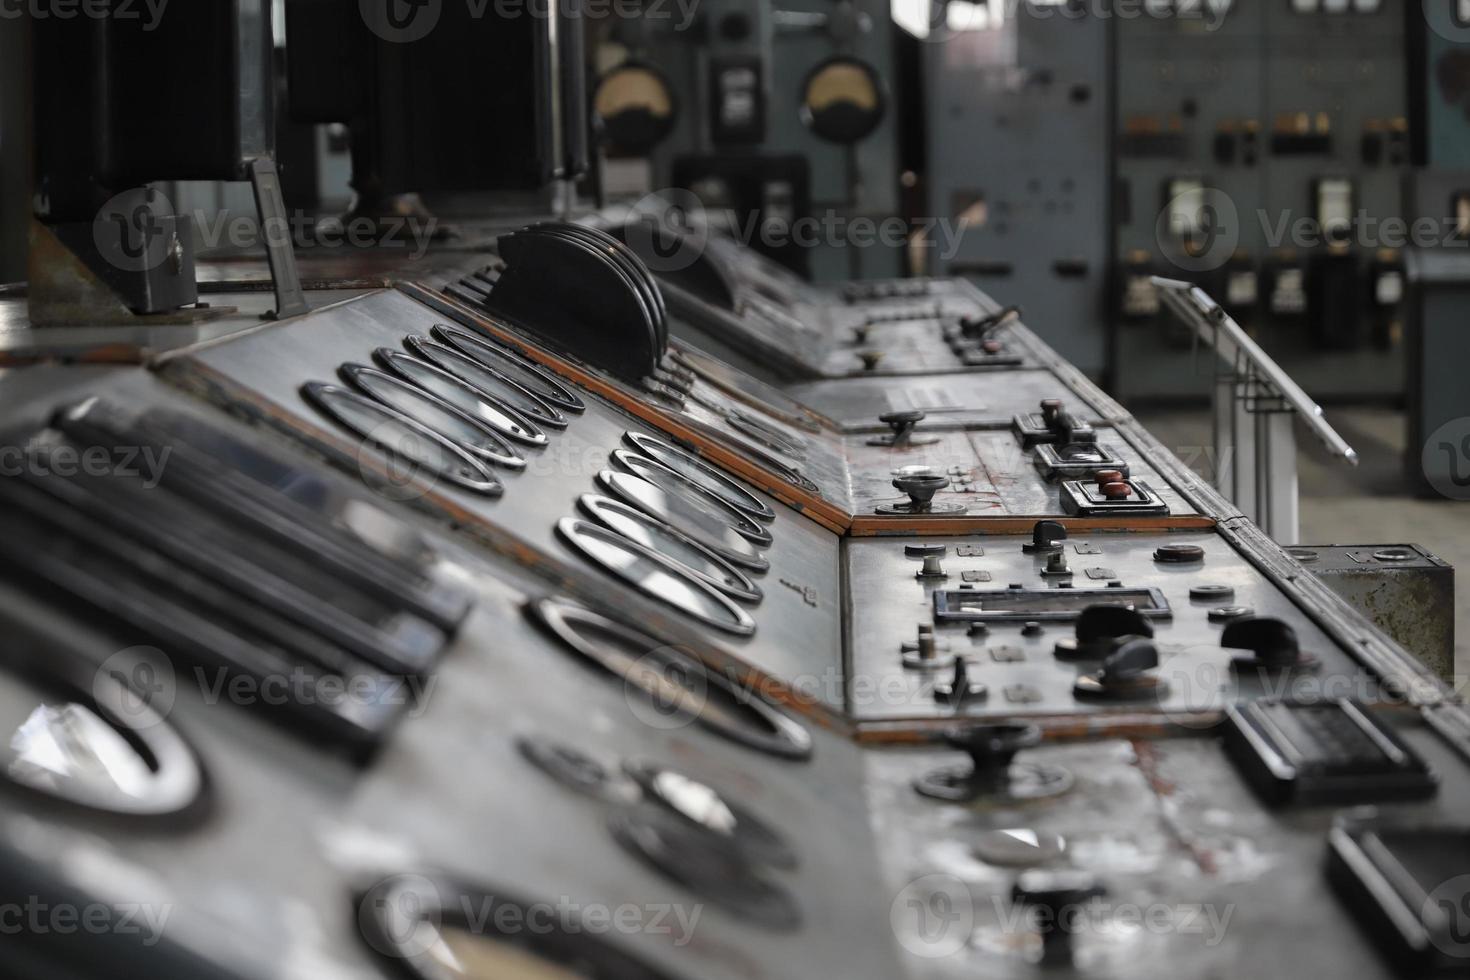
{"x": 978, "y": 327}
{"x": 959, "y": 688}
{"x": 1271, "y": 642}
{"x": 902, "y": 424}
{"x": 1124, "y": 673}
{"x": 1098, "y": 630}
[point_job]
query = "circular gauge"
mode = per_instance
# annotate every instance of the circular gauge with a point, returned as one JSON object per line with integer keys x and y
{"x": 523, "y": 372}
{"x": 674, "y": 508}
{"x": 693, "y": 468}
{"x": 635, "y": 108}
{"x": 842, "y": 100}
{"x": 447, "y": 388}
{"x": 672, "y": 543}
{"x": 488, "y": 382}
{"x": 655, "y": 575}
{"x": 402, "y": 438}
{"x": 92, "y": 738}
{"x": 766, "y": 435}
{"x": 677, "y": 484}
{"x": 674, "y": 677}
{"x": 440, "y": 928}
{"x": 706, "y": 864}
{"x": 704, "y": 807}
{"x": 463, "y": 430}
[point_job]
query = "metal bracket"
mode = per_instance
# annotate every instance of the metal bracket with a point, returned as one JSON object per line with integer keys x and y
{"x": 275, "y": 231}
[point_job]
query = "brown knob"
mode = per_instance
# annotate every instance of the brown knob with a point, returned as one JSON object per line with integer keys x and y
{"x": 990, "y": 346}
{"x": 1104, "y": 477}
{"x": 1116, "y": 490}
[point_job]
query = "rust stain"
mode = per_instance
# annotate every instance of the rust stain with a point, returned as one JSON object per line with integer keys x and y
{"x": 1147, "y": 760}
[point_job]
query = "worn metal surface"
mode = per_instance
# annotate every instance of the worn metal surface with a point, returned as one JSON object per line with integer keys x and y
{"x": 991, "y": 475}
{"x": 1405, "y": 590}
{"x": 269, "y": 884}
{"x": 262, "y": 373}
{"x": 1202, "y": 880}
{"x": 889, "y": 602}
{"x": 984, "y": 398}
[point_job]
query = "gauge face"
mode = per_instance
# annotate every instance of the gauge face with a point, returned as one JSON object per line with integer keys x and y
{"x": 676, "y": 484}
{"x": 403, "y": 440}
{"x": 705, "y": 807}
{"x": 843, "y": 100}
{"x": 693, "y": 468}
{"x": 636, "y": 108}
{"x": 673, "y": 544}
{"x": 103, "y": 748}
{"x": 416, "y": 403}
{"x": 485, "y": 409}
{"x": 675, "y": 678}
{"x": 488, "y": 382}
{"x": 655, "y": 575}
{"x": 700, "y": 523}
{"x": 514, "y": 366}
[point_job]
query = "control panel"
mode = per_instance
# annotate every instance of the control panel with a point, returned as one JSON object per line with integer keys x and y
{"x": 379, "y": 635}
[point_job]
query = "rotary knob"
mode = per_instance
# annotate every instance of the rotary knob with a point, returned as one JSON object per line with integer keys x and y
{"x": 921, "y": 488}
{"x": 1046, "y": 536}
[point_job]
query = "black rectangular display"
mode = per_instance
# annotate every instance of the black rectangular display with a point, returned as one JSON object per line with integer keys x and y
{"x": 992, "y": 605}
{"x": 1323, "y": 752}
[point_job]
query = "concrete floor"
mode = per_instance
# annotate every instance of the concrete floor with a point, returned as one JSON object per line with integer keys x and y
{"x": 1340, "y": 504}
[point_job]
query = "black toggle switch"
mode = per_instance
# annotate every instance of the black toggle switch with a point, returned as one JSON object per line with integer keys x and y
{"x": 1058, "y": 895}
{"x": 1046, "y": 536}
{"x": 979, "y": 327}
{"x": 1271, "y": 642}
{"x": 1098, "y": 630}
